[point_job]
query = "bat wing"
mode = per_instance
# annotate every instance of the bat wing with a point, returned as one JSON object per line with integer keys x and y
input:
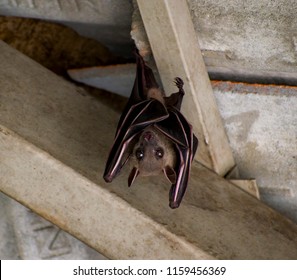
{"x": 177, "y": 128}
{"x": 144, "y": 80}
{"x": 137, "y": 118}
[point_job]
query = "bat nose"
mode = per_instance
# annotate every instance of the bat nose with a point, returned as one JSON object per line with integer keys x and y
{"x": 148, "y": 136}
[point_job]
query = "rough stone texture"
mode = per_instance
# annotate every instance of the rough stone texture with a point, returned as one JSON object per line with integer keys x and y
{"x": 248, "y": 34}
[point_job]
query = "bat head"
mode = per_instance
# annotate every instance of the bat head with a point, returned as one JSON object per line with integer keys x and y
{"x": 153, "y": 154}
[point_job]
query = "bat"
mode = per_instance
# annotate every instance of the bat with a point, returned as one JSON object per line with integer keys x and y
{"x": 153, "y": 135}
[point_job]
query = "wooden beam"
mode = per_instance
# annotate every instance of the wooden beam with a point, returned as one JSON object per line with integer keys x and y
{"x": 176, "y": 51}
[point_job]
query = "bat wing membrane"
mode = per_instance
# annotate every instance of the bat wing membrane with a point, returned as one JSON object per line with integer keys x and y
{"x": 177, "y": 129}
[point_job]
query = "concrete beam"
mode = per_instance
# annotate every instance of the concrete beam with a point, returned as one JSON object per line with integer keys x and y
{"x": 173, "y": 40}
{"x": 54, "y": 142}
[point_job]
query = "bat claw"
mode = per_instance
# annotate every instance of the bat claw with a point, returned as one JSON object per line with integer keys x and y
{"x": 179, "y": 83}
{"x": 173, "y": 204}
{"x": 108, "y": 178}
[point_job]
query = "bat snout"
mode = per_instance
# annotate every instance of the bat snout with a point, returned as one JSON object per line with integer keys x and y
{"x": 148, "y": 136}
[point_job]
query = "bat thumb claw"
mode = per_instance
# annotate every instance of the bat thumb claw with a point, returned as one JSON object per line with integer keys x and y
{"x": 173, "y": 204}
{"x": 107, "y": 178}
{"x": 133, "y": 174}
{"x": 179, "y": 82}
{"x": 170, "y": 174}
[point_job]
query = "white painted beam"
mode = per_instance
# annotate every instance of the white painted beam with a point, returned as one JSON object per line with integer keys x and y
{"x": 54, "y": 140}
{"x": 176, "y": 51}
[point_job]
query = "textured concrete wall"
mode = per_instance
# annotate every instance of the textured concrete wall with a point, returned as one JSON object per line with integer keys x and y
{"x": 251, "y": 35}
{"x": 261, "y": 125}
{"x": 239, "y": 38}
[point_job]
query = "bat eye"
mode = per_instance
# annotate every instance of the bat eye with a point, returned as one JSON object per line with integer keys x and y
{"x": 139, "y": 154}
{"x": 159, "y": 153}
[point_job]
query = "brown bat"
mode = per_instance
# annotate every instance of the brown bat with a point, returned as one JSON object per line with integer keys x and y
{"x": 154, "y": 135}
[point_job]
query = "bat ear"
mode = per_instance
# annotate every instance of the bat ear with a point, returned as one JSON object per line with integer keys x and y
{"x": 170, "y": 174}
{"x": 133, "y": 174}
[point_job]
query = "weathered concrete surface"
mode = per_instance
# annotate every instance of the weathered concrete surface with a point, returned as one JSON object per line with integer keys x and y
{"x": 239, "y": 39}
{"x": 258, "y": 35}
{"x": 242, "y": 41}
{"x": 59, "y": 175}
{"x": 261, "y": 126}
